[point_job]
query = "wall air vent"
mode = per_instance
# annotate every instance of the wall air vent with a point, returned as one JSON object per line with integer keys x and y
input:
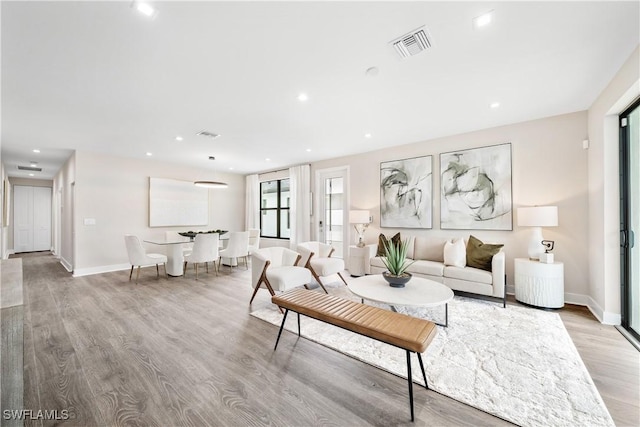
{"x": 413, "y": 43}
{"x": 29, "y": 168}
{"x": 208, "y": 134}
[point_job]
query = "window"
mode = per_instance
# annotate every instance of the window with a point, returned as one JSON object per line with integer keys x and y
{"x": 274, "y": 209}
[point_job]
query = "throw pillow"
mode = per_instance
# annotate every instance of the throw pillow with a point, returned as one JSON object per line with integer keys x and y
{"x": 479, "y": 254}
{"x": 382, "y": 240}
{"x": 455, "y": 253}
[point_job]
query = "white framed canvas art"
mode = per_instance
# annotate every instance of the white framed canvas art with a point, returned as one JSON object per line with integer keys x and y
{"x": 475, "y": 189}
{"x": 406, "y": 193}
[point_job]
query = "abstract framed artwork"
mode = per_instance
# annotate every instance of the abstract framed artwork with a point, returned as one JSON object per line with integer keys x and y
{"x": 406, "y": 193}
{"x": 475, "y": 189}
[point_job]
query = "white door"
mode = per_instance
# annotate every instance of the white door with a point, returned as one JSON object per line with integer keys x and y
{"x": 332, "y": 215}
{"x": 22, "y": 218}
{"x": 31, "y": 218}
{"x": 41, "y": 218}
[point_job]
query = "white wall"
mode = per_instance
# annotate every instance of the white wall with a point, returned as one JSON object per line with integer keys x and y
{"x": 115, "y": 192}
{"x": 604, "y": 190}
{"x": 63, "y": 225}
{"x": 549, "y": 168}
{"x": 4, "y": 231}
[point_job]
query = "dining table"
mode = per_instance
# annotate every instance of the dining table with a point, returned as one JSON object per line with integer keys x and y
{"x": 175, "y": 256}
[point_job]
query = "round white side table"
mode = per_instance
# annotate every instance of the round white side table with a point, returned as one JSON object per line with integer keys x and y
{"x": 539, "y": 284}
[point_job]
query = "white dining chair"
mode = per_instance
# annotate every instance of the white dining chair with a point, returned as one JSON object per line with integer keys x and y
{"x": 138, "y": 257}
{"x": 254, "y": 240}
{"x": 237, "y": 247}
{"x": 205, "y": 250}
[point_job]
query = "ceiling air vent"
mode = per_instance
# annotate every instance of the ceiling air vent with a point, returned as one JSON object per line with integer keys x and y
{"x": 413, "y": 43}
{"x": 208, "y": 134}
{"x": 29, "y": 168}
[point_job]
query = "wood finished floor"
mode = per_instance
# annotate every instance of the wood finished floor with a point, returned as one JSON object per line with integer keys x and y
{"x": 181, "y": 352}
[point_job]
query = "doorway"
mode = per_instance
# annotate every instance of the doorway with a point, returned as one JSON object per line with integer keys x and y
{"x": 31, "y": 218}
{"x": 332, "y": 216}
{"x": 630, "y": 218}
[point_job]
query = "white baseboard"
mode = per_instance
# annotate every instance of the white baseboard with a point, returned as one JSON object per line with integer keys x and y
{"x": 66, "y": 264}
{"x": 606, "y": 318}
{"x": 100, "y": 269}
{"x": 9, "y": 252}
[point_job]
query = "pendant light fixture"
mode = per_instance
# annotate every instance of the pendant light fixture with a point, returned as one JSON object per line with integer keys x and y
{"x": 211, "y": 184}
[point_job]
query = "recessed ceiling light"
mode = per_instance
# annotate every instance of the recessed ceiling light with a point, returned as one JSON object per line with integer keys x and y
{"x": 35, "y": 150}
{"x": 302, "y": 97}
{"x": 31, "y": 174}
{"x": 308, "y": 150}
{"x": 494, "y": 105}
{"x": 367, "y": 135}
{"x": 33, "y": 164}
{"x": 179, "y": 138}
{"x": 145, "y": 8}
{"x": 149, "y": 154}
{"x": 483, "y": 20}
{"x": 231, "y": 168}
{"x": 267, "y": 159}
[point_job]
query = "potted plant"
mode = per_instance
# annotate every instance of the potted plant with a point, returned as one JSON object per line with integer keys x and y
{"x": 395, "y": 260}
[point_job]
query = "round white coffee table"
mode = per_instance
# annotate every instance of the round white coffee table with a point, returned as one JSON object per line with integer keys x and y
{"x": 418, "y": 292}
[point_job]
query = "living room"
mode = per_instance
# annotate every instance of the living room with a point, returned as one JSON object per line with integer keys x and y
{"x": 567, "y": 159}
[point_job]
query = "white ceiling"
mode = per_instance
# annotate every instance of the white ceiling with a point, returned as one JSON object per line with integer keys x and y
{"x": 98, "y": 76}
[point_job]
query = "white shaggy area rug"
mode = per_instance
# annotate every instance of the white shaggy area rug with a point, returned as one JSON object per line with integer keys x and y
{"x": 516, "y": 363}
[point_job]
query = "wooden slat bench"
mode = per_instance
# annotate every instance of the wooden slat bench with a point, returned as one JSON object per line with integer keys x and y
{"x": 408, "y": 333}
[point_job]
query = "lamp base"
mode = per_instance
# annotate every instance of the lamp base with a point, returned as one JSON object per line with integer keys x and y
{"x": 535, "y": 247}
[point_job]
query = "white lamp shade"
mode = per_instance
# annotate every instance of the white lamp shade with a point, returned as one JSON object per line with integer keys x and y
{"x": 538, "y": 216}
{"x": 359, "y": 217}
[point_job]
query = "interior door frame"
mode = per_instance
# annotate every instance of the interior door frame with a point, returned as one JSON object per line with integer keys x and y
{"x": 318, "y": 202}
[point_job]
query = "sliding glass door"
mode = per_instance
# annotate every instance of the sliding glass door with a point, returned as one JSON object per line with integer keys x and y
{"x": 630, "y": 217}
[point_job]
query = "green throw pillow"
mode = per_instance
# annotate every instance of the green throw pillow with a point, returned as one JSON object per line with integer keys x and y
{"x": 479, "y": 254}
{"x": 382, "y": 240}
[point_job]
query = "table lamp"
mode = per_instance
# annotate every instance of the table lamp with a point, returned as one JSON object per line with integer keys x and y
{"x": 361, "y": 220}
{"x": 537, "y": 217}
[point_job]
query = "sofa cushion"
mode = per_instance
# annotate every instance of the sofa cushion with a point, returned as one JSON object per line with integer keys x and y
{"x": 382, "y": 241}
{"x": 430, "y": 268}
{"x": 377, "y": 262}
{"x": 455, "y": 253}
{"x": 429, "y": 248}
{"x": 469, "y": 274}
{"x": 479, "y": 254}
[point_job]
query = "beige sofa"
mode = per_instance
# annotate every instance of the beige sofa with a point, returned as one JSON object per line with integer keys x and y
{"x": 428, "y": 254}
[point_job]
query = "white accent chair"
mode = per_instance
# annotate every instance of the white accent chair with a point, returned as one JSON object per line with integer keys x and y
{"x": 138, "y": 257}
{"x": 205, "y": 250}
{"x": 316, "y": 256}
{"x": 237, "y": 247}
{"x": 254, "y": 239}
{"x": 276, "y": 269}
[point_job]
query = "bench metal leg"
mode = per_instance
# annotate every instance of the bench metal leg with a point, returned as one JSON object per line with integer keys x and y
{"x": 284, "y": 319}
{"x": 426, "y": 385}
{"x": 410, "y": 381}
{"x": 298, "y": 323}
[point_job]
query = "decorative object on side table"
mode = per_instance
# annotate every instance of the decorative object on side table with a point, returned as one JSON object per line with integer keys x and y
{"x": 192, "y": 234}
{"x": 395, "y": 260}
{"x": 360, "y": 221}
{"x": 537, "y": 217}
{"x": 547, "y": 256}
